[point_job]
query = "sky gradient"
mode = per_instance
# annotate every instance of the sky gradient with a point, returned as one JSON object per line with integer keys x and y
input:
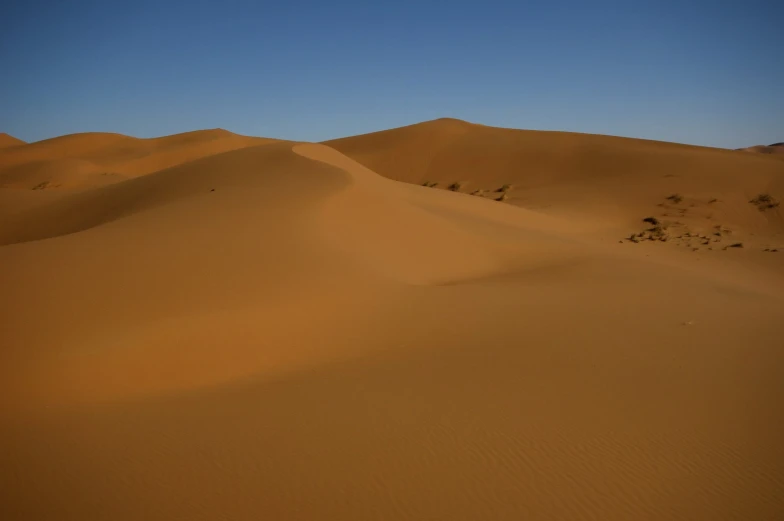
{"x": 705, "y": 73}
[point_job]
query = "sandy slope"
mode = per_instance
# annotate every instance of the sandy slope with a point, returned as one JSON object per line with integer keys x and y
{"x": 278, "y": 332}
{"x": 7, "y": 141}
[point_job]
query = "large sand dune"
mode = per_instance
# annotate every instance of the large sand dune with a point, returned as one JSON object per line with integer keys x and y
{"x": 598, "y": 180}
{"x": 238, "y": 328}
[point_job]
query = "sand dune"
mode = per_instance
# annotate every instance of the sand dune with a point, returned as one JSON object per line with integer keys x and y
{"x": 241, "y": 329}
{"x": 776, "y": 149}
{"x": 94, "y": 159}
{"x": 599, "y": 182}
{"x": 7, "y": 141}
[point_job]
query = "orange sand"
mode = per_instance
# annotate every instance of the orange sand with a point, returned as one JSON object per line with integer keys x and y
{"x": 212, "y": 326}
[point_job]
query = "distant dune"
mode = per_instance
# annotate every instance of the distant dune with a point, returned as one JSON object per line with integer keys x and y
{"x": 602, "y": 181}
{"x": 92, "y": 159}
{"x": 9, "y": 141}
{"x": 558, "y": 326}
{"x": 775, "y": 148}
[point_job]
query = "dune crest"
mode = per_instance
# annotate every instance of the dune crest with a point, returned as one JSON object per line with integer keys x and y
{"x": 7, "y": 140}
{"x": 776, "y": 149}
{"x": 49, "y": 164}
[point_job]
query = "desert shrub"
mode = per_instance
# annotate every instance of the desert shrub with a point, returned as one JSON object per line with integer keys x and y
{"x": 764, "y": 202}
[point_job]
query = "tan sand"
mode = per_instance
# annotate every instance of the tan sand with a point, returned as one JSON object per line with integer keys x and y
{"x": 95, "y": 159}
{"x": 776, "y": 149}
{"x": 7, "y": 141}
{"x": 238, "y": 328}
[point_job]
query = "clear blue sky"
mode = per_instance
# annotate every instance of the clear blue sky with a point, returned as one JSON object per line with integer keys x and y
{"x": 708, "y": 73}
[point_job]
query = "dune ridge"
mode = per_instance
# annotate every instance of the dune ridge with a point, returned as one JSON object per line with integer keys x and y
{"x": 7, "y": 140}
{"x": 243, "y": 328}
{"x": 775, "y": 149}
{"x": 94, "y": 159}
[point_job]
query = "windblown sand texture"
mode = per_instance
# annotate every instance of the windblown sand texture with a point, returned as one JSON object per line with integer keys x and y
{"x": 211, "y": 326}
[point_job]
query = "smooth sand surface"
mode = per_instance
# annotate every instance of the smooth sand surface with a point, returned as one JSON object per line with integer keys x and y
{"x": 7, "y": 141}
{"x": 210, "y": 326}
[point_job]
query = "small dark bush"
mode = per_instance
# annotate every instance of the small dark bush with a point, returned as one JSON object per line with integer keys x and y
{"x": 764, "y": 202}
